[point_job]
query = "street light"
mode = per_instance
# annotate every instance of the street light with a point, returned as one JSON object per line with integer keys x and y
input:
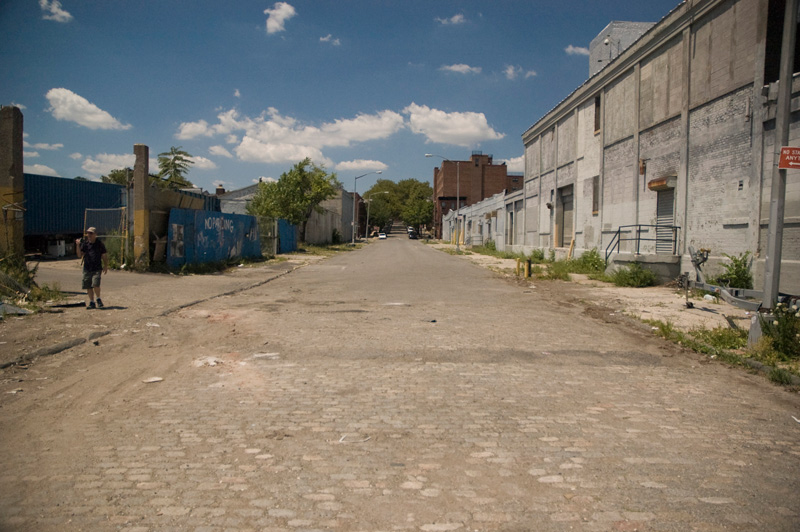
{"x": 354, "y": 201}
{"x": 458, "y": 192}
{"x": 369, "y": 201}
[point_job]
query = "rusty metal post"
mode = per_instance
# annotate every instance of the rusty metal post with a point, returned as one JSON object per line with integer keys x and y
{"x": 12, "y": 184}
{"x": 141, "y": 213}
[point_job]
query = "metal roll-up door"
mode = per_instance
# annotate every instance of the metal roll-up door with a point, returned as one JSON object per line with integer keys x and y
{"x": 665, "y": 218}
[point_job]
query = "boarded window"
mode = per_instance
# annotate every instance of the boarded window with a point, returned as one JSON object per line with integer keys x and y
{"x": 596, "y": 114}
{"x": 595, "y": 195}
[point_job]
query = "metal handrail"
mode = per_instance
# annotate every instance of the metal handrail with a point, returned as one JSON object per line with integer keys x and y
{"x": 617, "y": 240}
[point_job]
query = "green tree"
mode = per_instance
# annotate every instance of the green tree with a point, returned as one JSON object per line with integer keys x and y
{"x": 118, "y": 177}
{"x": 417, "y": 212}
{"x": 380, "y": 209}
{"x": 174, "y": 165}
{"x": 295, "y": 195}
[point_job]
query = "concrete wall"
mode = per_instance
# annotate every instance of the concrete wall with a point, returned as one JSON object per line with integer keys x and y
{"x": 685, "y": 103}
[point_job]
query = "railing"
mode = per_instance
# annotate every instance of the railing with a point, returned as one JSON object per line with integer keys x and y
{"x": 672, "y": 240}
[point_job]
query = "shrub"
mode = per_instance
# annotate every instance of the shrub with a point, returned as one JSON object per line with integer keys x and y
{"x": 537, "y": 256}
{"x": 558, "y": 271}
{"x": 490, "y": 245}
{"x": 783, "y": 328}
{"x": 589, "y": 262}
{"x": 737, "y": 273}
{"x": 634, "y": 275}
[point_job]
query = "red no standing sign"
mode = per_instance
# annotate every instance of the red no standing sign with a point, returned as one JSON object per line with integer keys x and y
{"x": 790, "y": 158}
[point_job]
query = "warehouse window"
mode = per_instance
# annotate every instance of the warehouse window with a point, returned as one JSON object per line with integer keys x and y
{"x": 772, "y": 64}
{"x": 597, "y": 114}
{"x": 595, "y": 195}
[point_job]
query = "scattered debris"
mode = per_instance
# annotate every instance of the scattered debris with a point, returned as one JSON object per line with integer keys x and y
{"x": 151, "y": 324}
{"x": 271, "y": 356}
{"x": 798, "y": 420}
{"x": 6, "y": 308}
{"x": 17, "y": 390}
{"x": 207, "y": 361}
{"x": 152, "y": 379}
{"x": 344, "y": 439}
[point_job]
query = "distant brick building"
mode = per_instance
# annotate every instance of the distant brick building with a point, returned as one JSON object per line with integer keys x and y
{"x": 471, "y": 181}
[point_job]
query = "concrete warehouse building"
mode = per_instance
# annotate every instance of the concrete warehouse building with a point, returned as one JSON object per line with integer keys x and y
{"x": 676, "y": 131}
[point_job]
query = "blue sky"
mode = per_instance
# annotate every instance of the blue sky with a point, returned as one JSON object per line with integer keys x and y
{"x": 249, "y": 88}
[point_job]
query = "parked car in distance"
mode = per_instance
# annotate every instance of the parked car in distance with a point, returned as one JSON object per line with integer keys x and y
{"x": 412, "y": 235}
{"x": 382, "y": 236}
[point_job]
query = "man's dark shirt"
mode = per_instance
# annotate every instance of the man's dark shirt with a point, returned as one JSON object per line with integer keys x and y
{"x": 93, "y": 255}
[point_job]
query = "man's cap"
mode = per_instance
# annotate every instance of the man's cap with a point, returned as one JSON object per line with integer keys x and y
{"x": 91, "y": 230}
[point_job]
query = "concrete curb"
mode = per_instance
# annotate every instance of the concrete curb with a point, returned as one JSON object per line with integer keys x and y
{"x": 54, "y": 349}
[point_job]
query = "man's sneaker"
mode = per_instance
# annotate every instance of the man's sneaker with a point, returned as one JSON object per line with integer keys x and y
{"x": 99, "y": 303}
{"x": 90, "y": 306}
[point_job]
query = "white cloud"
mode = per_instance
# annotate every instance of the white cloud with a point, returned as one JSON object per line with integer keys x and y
{"x": 202, "y": 163}
{"x": 254, "y": 150}
{"x": 516, "y": 164}
{"x": 329, "y": 38}
{"x": 272, "y": 137}
{"x": 221, "y": 151}
{"x": 576, "y": 50}
{"x": 191, "y": 130}
{"x": 42, "y": 146}
{"x": 40, "y": 169}
{"x": 232, "y": 139}
{"x": 458, "y": 129}
{"x": 278, "y": 15}
{"x": 455, "y": 19}
{"x": 461, "y": 68}
{"x": 265, "y": 180}
{"x": 513, "y": 72}
{"x": 75, "y": 156}
{"x": 236, "y": 93}
{"x": 103, "y": 163}
{"x": 66, "y": 105}
{"x": 53, "y": 11}
{"x": 361, "y": 164}
{"x": 19, "y": 105}
{"x": 30, "y": 154}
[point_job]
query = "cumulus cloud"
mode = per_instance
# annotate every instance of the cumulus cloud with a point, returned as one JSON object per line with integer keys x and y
{"x": 103, "y": 163}
{"x": 221, "y": 151}
{"x": 40, "y": 169}
{"x": 576, "y": 50}
{"x": 274, "y": 138}
{"x": 53, "y": 11}
{"x": 76, "y": 156}
{"x": 66, "y": 105}
{"x": 236, "y": 93}
{"x": 42, "y": 146}
{"x": 254, "y": 150}
{"x": 455, "y": 19}
{"x": 19, "y": 105}
{"x": 513, "y": 72}
{"x": 516, "y": 164}
{"x": 278, "y": 15}
{"x": 329, "y": 38}
{"x": 458, "y": 129}
{"x": 203, "y": 163}
{"x": 461, "y": 68}
{"x": 361, "y": 164}
{"x": 30, "y": 154}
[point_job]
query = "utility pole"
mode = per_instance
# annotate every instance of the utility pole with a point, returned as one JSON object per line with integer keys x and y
{"x": 772, "y": 266}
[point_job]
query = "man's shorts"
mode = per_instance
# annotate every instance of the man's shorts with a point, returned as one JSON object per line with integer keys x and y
{"x": 91, "y": 279}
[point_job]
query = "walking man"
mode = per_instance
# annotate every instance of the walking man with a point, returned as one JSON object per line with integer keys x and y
{"x": 95, "y": 260}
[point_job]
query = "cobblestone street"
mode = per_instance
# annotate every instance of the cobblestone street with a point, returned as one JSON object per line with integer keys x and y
{"x": 392, "y": 388}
